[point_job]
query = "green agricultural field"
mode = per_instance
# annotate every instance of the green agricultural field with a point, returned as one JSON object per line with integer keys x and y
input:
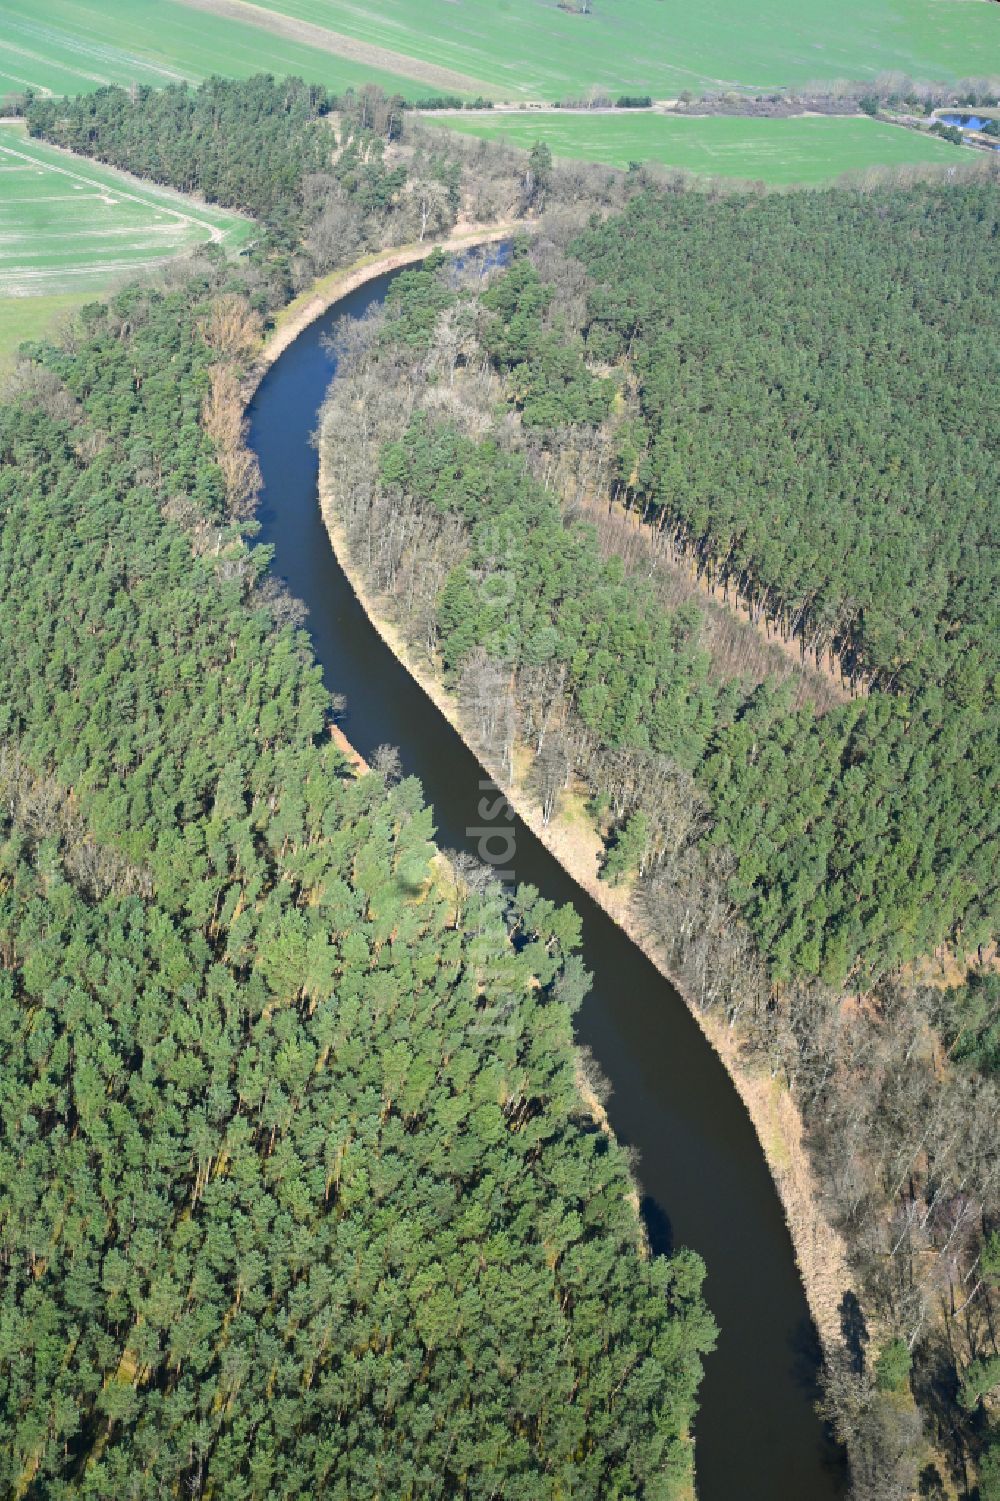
{"x": 535, "y": 49}
{"x": 71, "y": 46}
{"x": 513, "y": 49}
{"x": 70, "y": 228}
{"x": 808, "y": 150}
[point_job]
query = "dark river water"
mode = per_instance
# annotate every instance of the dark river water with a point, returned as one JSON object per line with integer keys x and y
{"x": 702, "y": 1172}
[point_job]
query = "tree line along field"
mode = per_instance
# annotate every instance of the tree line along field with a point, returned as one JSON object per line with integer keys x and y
{"x": 806, "y": 151}
{"x": 70, "y": 228}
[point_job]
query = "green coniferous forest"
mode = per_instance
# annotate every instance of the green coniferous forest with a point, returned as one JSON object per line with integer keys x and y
{"x": 811, "y": 416}
{"x": 283, "y": 1209}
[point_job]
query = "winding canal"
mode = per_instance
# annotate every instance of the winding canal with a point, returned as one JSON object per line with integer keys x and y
{"x": 704, "y": 1178}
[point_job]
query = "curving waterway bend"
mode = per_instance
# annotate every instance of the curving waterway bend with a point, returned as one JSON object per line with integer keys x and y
{"x": 703, "y": 1174}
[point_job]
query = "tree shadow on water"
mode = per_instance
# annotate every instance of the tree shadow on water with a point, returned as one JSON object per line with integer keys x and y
{"x": 807, "y": 1366}
{"x": 658, "y": 1226}
{"x": 854, "y": 1329}
{"x": 807, "y": 1358}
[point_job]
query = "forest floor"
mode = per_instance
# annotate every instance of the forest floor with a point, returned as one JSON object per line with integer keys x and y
{"x": 820, "y": 1251}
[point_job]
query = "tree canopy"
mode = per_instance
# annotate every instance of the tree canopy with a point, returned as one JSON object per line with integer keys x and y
{"x": 864, "y": 837}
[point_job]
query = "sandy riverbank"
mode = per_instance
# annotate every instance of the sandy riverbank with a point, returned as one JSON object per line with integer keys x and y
{"x": 820, "y": 1252}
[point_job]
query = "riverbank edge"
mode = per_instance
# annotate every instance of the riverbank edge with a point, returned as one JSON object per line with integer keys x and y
{"x": 820, "y": 1251}
{"x": 295, "y": 317}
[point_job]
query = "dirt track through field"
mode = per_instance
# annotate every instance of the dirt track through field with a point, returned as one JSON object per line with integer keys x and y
{"x": 325, "y": 40}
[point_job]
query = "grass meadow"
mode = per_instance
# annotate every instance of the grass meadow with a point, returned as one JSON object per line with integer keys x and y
{"x": 808, "y": 150}
{"x": 71, "y": 228}
{"x": 23, "y": 318}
